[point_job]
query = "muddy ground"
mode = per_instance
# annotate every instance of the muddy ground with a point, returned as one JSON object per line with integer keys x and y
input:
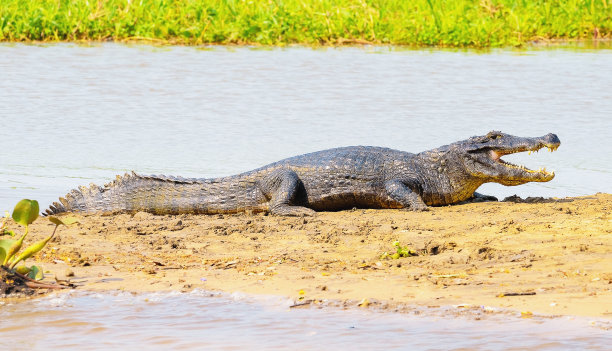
{"x": 543, "y": 258}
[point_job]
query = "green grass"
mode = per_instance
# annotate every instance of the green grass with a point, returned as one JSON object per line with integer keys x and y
{"x": 475, "y": 23}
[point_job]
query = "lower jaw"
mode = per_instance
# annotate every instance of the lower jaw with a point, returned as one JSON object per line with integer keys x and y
{"x": 523, "y": 181}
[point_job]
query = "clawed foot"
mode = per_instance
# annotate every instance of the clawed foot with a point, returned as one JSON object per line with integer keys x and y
{"x": 420, "y": 209}
{"x": 295, "y": 211}
{"x": 417, "y": 208}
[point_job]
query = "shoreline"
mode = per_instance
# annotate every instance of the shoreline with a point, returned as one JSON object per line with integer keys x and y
{"x": 541, "y": 43}
{"x": 374, "y": 306}
{"x": 540, "y": 259}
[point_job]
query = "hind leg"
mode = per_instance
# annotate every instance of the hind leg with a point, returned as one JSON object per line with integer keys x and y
{"x": 285, "y": 190}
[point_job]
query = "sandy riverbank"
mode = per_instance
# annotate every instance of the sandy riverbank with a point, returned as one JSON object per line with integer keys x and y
{"x": 558, "y": 253}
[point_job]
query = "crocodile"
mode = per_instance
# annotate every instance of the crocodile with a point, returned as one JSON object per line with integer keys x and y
{"x": 328, "y": 180}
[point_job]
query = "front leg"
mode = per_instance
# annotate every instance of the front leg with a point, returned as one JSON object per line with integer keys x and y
{"x": 285, "y": 190}
{"x": 401, "y": 193}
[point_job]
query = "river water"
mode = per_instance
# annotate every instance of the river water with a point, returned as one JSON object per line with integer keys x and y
{"x": 71, "y": 115}
{"x": 200, "y": 320}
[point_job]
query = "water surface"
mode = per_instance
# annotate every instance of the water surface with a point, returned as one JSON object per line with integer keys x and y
{"x": 200, "y": 320}
{"x": 71, "y": 115}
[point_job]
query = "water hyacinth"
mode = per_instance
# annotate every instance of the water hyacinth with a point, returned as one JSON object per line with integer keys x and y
{"x": 25, "y": 213}
{"x": 476, "y": 23}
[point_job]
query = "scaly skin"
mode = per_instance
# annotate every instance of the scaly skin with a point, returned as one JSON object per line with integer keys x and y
{"x": 329, "y": 180}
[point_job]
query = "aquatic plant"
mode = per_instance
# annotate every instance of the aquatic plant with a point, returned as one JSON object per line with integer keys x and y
{"x": 476, "y": 23}
{"x": 24, "y": 214}
{"x": 400, "y": 251}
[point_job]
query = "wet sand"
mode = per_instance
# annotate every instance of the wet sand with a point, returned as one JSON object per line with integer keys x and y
{"x": 541, "y": 258}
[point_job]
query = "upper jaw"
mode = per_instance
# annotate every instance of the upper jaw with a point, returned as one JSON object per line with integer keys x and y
{"x": 519, "y": 173}
{"x": 497, "y": 153}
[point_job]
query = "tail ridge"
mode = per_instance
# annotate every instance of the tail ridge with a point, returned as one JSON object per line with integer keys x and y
{"x": 78, "y": 199}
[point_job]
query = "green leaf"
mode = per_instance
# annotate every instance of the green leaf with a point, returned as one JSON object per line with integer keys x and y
{"x": 36, "y": 273}
{"x": 14, "y": 249}
{"x": 55, "y": 220}
{"x": 5, "y": 244}
{"x": 22, "y": 270}
{"x": 26, "y": 212}
{"x": 70, "y": 220}
{"x": 30, "y": 251}
{"x": 9, "y": 232}
{"x": 66, "y": 221}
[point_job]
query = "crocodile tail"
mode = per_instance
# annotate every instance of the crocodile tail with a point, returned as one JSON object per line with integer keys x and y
{"x": 163, "y": 195}
{"x": 90, "y": 199}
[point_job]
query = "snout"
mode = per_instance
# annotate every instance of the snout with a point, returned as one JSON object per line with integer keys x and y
{"x": 551, "y": 140}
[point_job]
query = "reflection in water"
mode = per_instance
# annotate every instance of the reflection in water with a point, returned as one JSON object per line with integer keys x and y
{"x": 200, "y": 320}
{"x": 72, "y": 115}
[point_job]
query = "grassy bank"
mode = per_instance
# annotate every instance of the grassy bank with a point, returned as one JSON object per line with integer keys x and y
{"x": 478, "y": 23}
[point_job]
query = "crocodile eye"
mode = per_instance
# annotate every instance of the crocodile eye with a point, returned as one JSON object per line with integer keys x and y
{"x": 494, "y": 135}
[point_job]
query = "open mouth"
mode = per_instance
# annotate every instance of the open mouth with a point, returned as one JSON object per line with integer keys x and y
{"x": 497, "y": 154}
